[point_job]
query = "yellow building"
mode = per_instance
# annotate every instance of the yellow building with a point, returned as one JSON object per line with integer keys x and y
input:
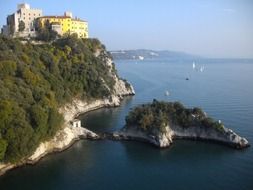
{"x": 66, "y": 24}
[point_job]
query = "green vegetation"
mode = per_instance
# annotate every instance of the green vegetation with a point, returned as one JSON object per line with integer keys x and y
{"x": 21, "y": 26}
{"x": 157, "y": 115}
{"x": 45, "y": 33}
{"x": 35, "y": 80}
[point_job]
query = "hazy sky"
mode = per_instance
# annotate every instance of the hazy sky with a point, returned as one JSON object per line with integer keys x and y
{"x": 213, "y": 28}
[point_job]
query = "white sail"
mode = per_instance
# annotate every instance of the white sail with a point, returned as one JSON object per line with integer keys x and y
{"x": 193, "y": 65}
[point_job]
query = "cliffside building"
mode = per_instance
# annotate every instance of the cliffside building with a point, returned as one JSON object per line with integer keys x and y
{"x": 24, "y": 15}
{"x": 23, "y": 22}
{"x": 66, "y": 24}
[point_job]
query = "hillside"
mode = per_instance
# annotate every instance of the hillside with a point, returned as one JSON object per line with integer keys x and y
{"x": 36, "y": 80}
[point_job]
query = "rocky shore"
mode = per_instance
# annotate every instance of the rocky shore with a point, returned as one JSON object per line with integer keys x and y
{"x": 65, "y": 137}
{"x": 162, "y": 140}
{"x": 68, "y": 134}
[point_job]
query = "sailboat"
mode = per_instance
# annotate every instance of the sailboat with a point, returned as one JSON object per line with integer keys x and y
{"x": 167, "y": 93}
{"x": 193, "y": 65}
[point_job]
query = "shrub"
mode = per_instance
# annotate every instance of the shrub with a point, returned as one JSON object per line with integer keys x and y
{"x": 159, "y": 114}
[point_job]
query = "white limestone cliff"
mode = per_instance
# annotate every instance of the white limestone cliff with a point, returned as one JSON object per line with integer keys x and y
{"x": 66, "y": 136}
{"x": 172, "y": 132}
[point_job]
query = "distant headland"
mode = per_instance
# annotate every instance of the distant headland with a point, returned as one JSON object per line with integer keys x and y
{"x": 143, "y": 54}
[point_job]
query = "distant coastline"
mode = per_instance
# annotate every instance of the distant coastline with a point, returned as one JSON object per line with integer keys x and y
{"x": 146, "y": 54}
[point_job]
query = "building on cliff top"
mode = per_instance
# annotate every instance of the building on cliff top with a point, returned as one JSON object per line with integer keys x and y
{"x": 22, "y": 23}
{"x": 66, "y": 24}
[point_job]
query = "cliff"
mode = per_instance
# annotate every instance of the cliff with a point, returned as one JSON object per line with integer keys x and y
{"x": 65, "y": 137}
{"x": 109, "y": 83}
{"x": 165, "y": 139}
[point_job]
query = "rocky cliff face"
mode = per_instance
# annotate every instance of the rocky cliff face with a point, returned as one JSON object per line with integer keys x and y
{"x": 121, "y": 87}
{"x": 165, "y": 139}
{"x": 68, "y": 134}
{"x": 227, "y": 136}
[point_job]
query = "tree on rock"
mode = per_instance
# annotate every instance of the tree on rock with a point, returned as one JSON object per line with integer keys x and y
{"x": 3, "y": 146}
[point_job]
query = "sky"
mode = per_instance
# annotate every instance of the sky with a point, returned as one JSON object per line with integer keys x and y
{"x": 210, "y": 28}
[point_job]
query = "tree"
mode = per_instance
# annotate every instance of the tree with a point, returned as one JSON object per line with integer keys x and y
{"x": 45, "y": 33}
{"x": 21, "y": 26}
{"x": 7, "y": 68}
{"x": 158, "y": 115}
{"x": 3, "y": 146}
{"x": 6, "y": 111}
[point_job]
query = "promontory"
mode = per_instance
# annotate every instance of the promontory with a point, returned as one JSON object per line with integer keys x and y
{"x": 44, "y": 86}
{"x": 161, "y": 122}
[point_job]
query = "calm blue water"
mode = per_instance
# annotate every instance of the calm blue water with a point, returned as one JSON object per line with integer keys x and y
{"x": 224, "y": 90}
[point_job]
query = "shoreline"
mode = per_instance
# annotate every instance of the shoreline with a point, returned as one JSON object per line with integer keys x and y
{"x": 124, "y": 134}
{"x": 68, "y": 135}
{"x": 36, "y": 157}
{"x": 112, "y": 137}
{"x": 164, "y": 140}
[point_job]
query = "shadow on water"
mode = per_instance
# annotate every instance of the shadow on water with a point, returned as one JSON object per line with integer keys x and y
{"x": 192, "y": 150}
{"x": 107, "y": 119}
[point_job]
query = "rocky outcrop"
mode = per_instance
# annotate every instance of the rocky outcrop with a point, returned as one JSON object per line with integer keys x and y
{"x": 226, "y": 136}
{"x": 172, "y": 132}
{"x": 62, "y": 140}
{"x": 121, "y": 87}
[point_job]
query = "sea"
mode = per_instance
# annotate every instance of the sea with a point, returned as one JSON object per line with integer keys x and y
{"x": 223, "y": 88}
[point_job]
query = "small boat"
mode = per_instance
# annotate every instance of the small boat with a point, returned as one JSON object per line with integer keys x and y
{"x": 187, "y": 78}
{"x": 167, "y": 93}
{"x": 201, "y": 69}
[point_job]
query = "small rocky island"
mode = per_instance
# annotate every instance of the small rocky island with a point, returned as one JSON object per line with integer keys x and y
{"x": 161, "y": 122}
